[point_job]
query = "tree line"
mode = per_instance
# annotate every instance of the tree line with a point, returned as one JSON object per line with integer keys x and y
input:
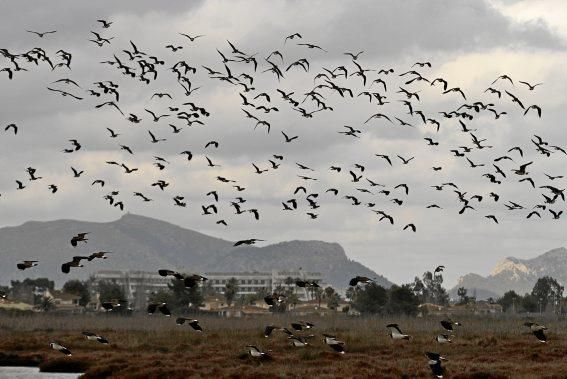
{"x": 546, "y": 295}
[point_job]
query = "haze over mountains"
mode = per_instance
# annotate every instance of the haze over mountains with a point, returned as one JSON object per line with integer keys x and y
{"x": 516, "y": 274}
{"x": 143, "y": 243}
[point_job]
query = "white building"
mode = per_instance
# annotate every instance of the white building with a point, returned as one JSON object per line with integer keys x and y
{"x": 138, "y": 285}
{"x": 254, "y": 282}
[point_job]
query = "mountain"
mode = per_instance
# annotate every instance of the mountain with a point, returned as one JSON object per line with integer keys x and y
{"x": 143, "y": 243}
{"x": 516, "y": 274}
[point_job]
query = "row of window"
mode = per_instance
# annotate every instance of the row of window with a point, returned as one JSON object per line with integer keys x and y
{"x": 240, "y": 282}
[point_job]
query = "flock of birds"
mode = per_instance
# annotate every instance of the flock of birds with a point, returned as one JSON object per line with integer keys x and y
{"x": 179, "y": 109}
{"x": 347, "y": 83}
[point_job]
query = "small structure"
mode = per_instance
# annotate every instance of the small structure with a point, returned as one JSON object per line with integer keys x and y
{"x": 63, "y": 301}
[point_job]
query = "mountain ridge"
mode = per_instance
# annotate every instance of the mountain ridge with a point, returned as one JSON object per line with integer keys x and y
{"x": 145, "y": 243}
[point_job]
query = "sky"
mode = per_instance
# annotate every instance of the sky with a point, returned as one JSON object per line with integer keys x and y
{"x": 469, "y": 43}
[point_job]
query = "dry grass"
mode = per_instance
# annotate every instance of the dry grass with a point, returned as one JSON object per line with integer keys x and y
{"x": 154, "y": 347}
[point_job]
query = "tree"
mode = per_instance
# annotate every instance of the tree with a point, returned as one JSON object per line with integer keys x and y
{"x": 318, "y": 294}
{"x": 332, "y": 298}
{"x": 78, "y": 288}
{"x": 462, "y": 294}
{"x": 25, "y": 290}
{"x": 433, "y": 291}
{"x": 109, "y": 291}
{"x": 40, "y": 283}
{"x": 185, "y": 297}
{"x": 207, "y": 289}
{"x": 289, "y": 281}
{"x": 163, "y": 296}
{"x": 529, "y": 303}
{"x": 350, "y": 294}
{"x": 371, "y": 299}
{"x": 230, "y": 290}
{"x": 510, "y": 301}
{"x": 179, "y": 298}
{"x": 46, "y": 304}
{"x": 402, "y": 300}
{"x": 547, "y": 291}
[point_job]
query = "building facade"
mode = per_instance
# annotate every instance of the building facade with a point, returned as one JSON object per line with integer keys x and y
{"x": 254, "y": 282}
{"x": 139, "y": 285}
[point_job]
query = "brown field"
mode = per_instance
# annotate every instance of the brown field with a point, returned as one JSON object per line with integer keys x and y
{"x": 155, "y": 347}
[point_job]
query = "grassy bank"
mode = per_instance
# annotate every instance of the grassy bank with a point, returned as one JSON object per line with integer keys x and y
{"x": 153, "y": 346}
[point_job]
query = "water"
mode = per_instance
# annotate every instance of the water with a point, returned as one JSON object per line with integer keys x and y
{"x": 31, "y": 373}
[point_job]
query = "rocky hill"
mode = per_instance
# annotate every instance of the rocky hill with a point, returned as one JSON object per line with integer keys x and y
{"x": 516, "y": 274}
{"x": 143, "y": 243}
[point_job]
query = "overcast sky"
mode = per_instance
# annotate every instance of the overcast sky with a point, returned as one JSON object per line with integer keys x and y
{"x": 469, "y": 43}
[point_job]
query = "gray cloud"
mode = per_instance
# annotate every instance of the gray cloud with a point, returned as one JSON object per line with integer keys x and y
{"x": 482, "y": 41}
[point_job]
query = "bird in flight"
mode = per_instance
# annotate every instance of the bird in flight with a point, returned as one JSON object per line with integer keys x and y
{"x": 41, "y": 34}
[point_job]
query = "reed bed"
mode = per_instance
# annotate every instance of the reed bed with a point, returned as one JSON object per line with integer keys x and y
{"x": 155, "y": 347}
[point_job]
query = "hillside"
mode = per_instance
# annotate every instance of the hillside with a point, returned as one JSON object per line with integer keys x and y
{"x": 516, "y": 274}
{"x": 143, "y": 243}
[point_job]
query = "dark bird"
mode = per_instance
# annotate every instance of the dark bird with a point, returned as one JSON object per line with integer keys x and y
{"x": 95, "y": 337}
{"x": 105, "y": 24}
{"x": 192, "y": 38}
{"x": 504, "y": 77}
{"x": 531, "y": 87}
{"x": 14, "y": 128}
{"x": 434, "y": 361}
{"x": 41, "y": 34}
{"x": 396, "y": 333}
{"x": 77, "y": 174}
{"x": 62, "y": 349}
{"x": 76, "y": 262}
{"x": 26, "y": 264}
{"x": 289, "y": 139}
{"x": 191, "y": 322}
{"x": 522, "y": 169}
{"x": 162, "y": 307}
{"x": 410, "y": 226}
{"x": 537, "y": 330}
{"x": 448, "y": 324}
{"x": 250, "y": 241}
{"x": 430, "y": 142}
{"x": 536, "y": 107}
{"x": 81, "y": 237}
{"x": 154, "y": 139}
{"x": 99, "y": 255}
{"x": 515, "y": 99}
{"x": 155, "y": 117}
{"x": 556, "y": 215}
{"x": 256, "y": 353}
{"x": 333, "y": 343}
{"x": 359, "y": 279}
{"x": 110, "y": 104}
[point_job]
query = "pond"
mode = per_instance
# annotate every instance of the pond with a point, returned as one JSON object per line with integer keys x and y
{"x": 32, "y": 373}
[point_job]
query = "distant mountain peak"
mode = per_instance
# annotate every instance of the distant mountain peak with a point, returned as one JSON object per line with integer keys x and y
{"x": 510, "y": 265}
{"x": 517, "y": 274}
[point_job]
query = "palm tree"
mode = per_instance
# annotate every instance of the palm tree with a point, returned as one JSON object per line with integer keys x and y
{"x": 46, "y": 304}
{"x": 230, "y": 290}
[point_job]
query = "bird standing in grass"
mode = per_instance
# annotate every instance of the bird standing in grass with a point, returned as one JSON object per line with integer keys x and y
{"x": 435, "y": 364}
{"x": 537, "y": 330}
{"x": 396, "y": 333}
{"x": 255, "y": 352}
{"x": 95, "y": 337}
